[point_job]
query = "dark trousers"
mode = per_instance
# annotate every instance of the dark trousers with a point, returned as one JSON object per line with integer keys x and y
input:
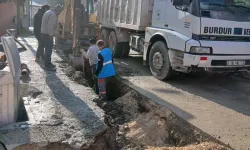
{"x": 102, "y": 84}
{"x": 48, "y": 42}
{"x": 41, "y": 46}
{"x": 93, "y": 67}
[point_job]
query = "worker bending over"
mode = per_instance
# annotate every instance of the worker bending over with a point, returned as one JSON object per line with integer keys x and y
{"x": 92, "y": 54}
{"x": 105, "y": 68}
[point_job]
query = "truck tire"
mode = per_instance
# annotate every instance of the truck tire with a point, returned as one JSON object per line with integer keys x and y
{"x": 105, "y": 35}
{"x": 116, "y": 47}
{"x": 125, "y": 49}
{"x": 159, "y": 62}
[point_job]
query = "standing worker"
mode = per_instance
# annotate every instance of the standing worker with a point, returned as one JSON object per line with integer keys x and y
{"x": 48, "y": 30}
{"x": 37, "y": 31}
{"x": 92, "y": 54}
{"x": 105, "y": 68}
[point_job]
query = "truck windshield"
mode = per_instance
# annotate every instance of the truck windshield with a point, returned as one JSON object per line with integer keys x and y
{"x": 233, "y": 10}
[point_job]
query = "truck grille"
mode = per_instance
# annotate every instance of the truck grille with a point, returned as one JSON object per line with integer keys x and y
{"x": 221, "y": 38}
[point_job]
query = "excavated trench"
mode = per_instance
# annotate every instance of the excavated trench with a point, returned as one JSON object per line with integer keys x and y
{"x": 136, "y": 122}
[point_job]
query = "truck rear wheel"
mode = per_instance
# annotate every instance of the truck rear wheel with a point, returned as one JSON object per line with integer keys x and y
{"x": 105, "y": 35}
{"x": 125, "y": 49}
{"x": 159, "y": 61}
{"x": 116, "y": 47}
{"x": 120, "y": 49}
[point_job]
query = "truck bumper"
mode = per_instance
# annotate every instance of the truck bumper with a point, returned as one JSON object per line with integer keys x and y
{"x": 216, "y": 62}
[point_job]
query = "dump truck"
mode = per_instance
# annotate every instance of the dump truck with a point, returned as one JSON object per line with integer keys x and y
{"x": 179, "y": 35}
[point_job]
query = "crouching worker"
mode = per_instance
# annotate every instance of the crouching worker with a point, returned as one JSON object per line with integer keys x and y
{"x": 92, "y": 56}
{"x": 105, "y": 68}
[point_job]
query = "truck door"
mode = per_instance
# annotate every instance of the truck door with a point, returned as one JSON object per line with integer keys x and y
{"x": 181, "y": 20}
{"x": 159, "y": 13}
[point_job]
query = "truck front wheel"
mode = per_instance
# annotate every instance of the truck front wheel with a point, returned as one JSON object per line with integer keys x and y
{"x": 159, "y": 61}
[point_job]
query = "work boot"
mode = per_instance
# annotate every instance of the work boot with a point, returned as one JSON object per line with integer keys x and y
{"x": 96, "y": 90}
{"x": 38, "y": 60}
{"x": 52, "y": 65}
{"x": 50, "y": 68}
{"x": 104, "y": 98}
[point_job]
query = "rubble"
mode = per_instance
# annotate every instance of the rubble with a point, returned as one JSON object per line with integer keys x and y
{"x": 139, "y": 123}
{"x": 62, "y": 115}
{"x": 203, "y": 146}
{"x": 135, "y": 122}
{"x": 60, "y": 112}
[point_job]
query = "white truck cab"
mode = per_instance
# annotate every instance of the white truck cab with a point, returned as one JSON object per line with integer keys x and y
{"x": 189, "y": 35}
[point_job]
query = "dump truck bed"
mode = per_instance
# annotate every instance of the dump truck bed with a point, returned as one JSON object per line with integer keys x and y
{"x": 129, "y": 14}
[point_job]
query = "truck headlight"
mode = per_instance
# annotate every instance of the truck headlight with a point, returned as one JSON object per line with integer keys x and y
{"x": 201, "y": 50}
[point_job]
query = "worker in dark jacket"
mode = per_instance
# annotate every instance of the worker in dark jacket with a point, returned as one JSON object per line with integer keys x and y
{"x": 37, "y": 31}
{"x": 105, "y": 68}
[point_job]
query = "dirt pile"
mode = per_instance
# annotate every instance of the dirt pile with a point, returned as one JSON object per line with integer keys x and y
{"x": 136, "y": 122}
{"x": 141, "y": 124}
{"x": 74, "y": 75}
{"x": 202, "y": 146}
{"x": 51, "y": 146}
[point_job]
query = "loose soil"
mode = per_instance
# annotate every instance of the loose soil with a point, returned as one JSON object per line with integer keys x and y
{"x": 141, "y": 124}
{"x": 203, "y": 146}
{"x": 135, "y": 122}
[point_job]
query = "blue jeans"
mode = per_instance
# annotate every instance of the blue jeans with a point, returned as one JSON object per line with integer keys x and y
{"x": 48, "y": 42}
{"x": 41, "y": 46}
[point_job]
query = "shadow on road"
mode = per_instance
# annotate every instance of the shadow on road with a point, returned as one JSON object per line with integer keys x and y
{"x": 91, "y": 123}
{"x": 229, "y": 91}
{"x": 73, "y": 103}
{"x": 29, "y": 46}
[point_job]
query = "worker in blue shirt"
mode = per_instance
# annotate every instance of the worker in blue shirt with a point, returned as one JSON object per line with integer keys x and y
{"x": 105, "y": 68}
